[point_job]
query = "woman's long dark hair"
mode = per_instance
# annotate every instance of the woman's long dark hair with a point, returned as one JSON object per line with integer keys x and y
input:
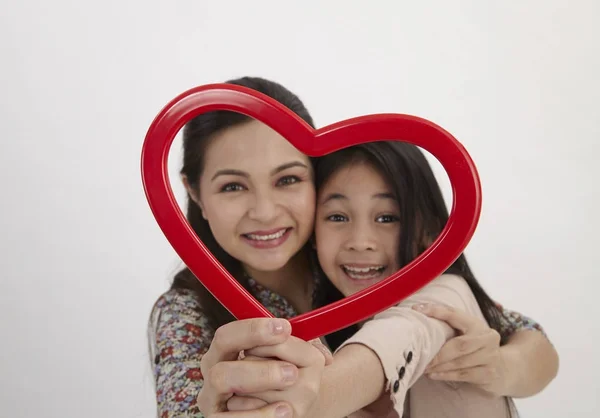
{"x": 423, "y": 215}
{"x": 197, "y": 135}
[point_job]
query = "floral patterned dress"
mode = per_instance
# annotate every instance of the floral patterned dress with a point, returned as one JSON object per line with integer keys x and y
{"x": 183, "y": 335}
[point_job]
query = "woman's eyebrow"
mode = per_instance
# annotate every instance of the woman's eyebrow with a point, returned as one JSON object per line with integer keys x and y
{"x": 232, "y": 172}
{"x": 288, "y": 165}
{"x": 229, "y": 172}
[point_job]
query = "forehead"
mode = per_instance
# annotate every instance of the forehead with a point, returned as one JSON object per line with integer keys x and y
{"x": 353, "y": 179}
{"x": 250, "y": 145}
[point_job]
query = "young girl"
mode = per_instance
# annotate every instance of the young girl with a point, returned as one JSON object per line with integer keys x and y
{"x": 252, "y": 202}
{"x": 379, "y": 207}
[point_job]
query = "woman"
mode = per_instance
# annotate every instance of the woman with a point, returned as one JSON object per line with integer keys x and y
{"x": 252, "y": 202}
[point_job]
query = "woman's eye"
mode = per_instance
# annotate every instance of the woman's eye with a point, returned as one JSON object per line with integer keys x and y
{"x": 336, "y": 218}
{"x": 288, "y": 180}
{"x": 232, "y": 187}
{"x": 387, "y": 219}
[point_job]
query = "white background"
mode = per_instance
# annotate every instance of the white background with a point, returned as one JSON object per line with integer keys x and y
{"x": 82, "y": 259}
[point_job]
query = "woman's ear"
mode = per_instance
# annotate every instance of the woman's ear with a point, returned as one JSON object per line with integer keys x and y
{"x": 193, "y": 194}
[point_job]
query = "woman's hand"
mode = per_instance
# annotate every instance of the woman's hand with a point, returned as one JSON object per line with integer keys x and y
{"x": 474, "y": 356}
{"x": 225, "y": 376}
{"x": 310, "y": 358}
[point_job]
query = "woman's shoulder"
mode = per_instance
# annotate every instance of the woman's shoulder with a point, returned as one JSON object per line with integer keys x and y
{"x": 179, "y": 309}
{"x": 179, "y": 324}
{"x": 178, "y": 300}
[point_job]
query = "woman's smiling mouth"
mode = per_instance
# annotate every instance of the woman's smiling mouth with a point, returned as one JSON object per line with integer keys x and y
{"x": 267, "y": 239}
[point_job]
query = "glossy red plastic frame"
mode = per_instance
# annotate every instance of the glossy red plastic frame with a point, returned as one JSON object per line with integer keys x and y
{"x": 457, "y": 233}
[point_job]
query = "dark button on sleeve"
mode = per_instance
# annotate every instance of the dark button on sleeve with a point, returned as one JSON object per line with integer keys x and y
{"x": 401, "y": 372}
{"x": 409, "y": 357}
{"x": 396, "y": 386}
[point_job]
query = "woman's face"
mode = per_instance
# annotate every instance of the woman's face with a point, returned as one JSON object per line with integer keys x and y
{"x": 357, "y": 229}
{"x": 257, "y": 194}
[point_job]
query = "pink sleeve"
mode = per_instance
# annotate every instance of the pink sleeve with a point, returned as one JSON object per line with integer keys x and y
{"x": 406, "y": 341}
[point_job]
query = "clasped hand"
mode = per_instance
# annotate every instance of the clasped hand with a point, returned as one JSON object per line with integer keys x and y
{"x": 278, "y": 376}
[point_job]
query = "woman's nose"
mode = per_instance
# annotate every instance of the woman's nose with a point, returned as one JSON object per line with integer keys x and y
{"x": 263, "y": 209}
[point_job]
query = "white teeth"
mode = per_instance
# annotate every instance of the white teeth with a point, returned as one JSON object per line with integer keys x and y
{"x": 267, "y": 237}
{"x": 362, "y": 269}
{"x": 363, "y": 272}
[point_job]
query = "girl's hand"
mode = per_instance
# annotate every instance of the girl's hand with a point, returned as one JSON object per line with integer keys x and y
{"x": 225, "y": 376}
{"x": 310, "y": 358}
{"x": 474, "y": 356}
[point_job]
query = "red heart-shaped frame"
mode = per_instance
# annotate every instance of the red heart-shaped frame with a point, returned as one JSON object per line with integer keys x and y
{"x": 455, "y": 236}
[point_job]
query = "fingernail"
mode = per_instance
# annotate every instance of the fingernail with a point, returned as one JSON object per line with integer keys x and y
{"x": 421, "y": 307}
{"x": 283, "y": 411}
{"x": 322, "y": 349}
{"x": 278, "y": 326}
{"x": 288, "y": 373}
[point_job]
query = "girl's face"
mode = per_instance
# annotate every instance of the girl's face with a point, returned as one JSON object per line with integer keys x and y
{"x": 257, "y": 194}
{"x": 357, "y": 228}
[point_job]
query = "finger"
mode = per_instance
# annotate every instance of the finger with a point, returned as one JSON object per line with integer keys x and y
{"x": 293, "y": 350}
{"x": 275, "y": 410}
{"x": 480, "y": 375}
{"x": 244, "y": 403}
{"x": 318, "y": 344}
{"x": 243, "y": 377}
{"x": 315, "y": 343}
{"x": 256, "y": 358}
{"x": 458, "y": 320}
{"x": 459, "y": 347}
{"x": 481, "y": 357}
{"x": 236, "y": 336}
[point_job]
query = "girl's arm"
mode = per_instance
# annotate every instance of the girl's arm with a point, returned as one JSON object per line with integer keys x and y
{"x": 376, "y": 367}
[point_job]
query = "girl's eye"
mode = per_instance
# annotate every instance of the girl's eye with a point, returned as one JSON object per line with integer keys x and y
{"x": 337, "y": 218}
{"x": 288, "y": 180}
{"x": 387, "y": 219}
{"x": 232, "y": 187}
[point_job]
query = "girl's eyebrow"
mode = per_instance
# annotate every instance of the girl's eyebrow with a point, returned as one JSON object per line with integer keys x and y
{"x": 333, "y": 196}
{"x": 384, "y": 196}
{"x": 339, "y": 196}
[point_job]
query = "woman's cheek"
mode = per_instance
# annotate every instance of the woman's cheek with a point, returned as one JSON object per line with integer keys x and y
{"x": 224, "y": 214}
